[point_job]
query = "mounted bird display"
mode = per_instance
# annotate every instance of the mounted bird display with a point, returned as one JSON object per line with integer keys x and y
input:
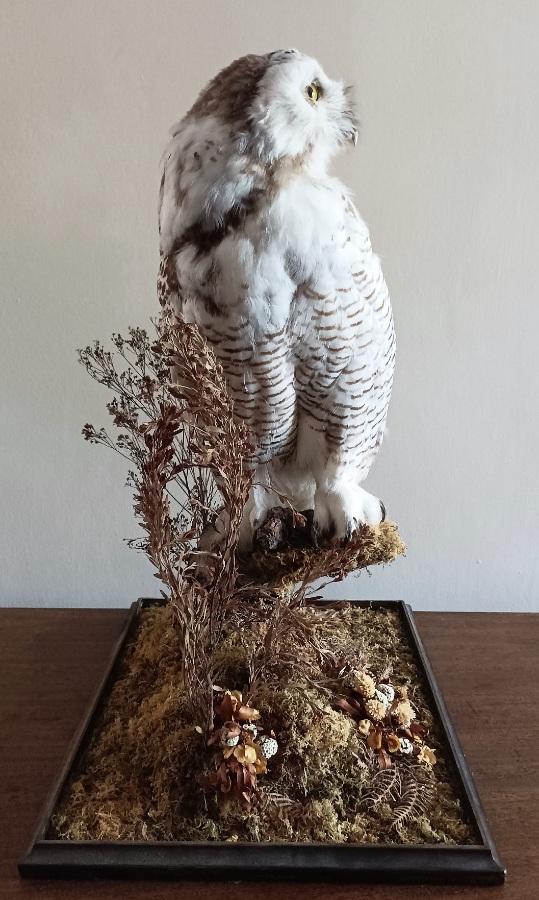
{"x": 266, "y": 253}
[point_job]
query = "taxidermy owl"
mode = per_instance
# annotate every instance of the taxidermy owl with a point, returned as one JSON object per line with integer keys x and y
{"x": 267, "y": 254}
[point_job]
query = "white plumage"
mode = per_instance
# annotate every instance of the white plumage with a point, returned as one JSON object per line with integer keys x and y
{"x": 268, "y": 255}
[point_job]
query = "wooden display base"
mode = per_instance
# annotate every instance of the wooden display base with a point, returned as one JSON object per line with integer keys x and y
{"x": 399, "y": 863}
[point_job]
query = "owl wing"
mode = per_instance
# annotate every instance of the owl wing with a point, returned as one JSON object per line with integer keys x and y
{"x": 345, "y": 363}
{"x": 167, "y": 279}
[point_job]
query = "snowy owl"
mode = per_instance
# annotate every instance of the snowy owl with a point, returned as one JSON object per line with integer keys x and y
{"x": 267, "y": 254}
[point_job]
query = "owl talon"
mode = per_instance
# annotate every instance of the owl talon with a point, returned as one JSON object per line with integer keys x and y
{"x": 382, "y": 507}
{"x": 342, "y": 510}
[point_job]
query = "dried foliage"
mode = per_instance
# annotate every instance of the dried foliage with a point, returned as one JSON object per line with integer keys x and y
{"x": 385, "y": 718}
{"x": 243, "y": 746}
{"x": 190, "y": 464}
{"x": 178, "y": 429}
{"x": 408, "y": 790}
{"x": 284, "y": 556}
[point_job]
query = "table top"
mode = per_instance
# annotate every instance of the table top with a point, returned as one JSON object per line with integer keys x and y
{"x": 487, "y": 666}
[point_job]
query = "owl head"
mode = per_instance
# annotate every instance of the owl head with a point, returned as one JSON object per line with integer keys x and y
{"x": 281, "y": 105}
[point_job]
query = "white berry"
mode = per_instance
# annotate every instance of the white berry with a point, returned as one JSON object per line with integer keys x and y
{"x": 387, "y": 691}
{"x": 268, "y": 745}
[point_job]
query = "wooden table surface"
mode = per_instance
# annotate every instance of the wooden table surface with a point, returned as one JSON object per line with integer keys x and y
{"x": 487, "y": 665}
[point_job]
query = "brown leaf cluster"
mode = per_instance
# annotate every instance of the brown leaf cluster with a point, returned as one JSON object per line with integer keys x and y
{"x": 239, "y": 756}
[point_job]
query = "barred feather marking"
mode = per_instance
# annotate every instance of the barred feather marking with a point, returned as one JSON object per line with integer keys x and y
{"x": 270, "y": 258}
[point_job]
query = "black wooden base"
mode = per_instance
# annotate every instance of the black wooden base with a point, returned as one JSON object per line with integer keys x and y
{"x": 469, "y": 864}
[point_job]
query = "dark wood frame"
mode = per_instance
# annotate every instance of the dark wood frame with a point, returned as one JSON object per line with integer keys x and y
{"x": 467, "y": 864}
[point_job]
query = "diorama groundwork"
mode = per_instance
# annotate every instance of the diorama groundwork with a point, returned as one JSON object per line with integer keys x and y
{"x": 138, "y": 777}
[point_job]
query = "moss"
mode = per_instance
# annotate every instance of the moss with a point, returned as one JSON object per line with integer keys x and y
{"x": 136, "y": 780}
{"x": 280, "y": 570}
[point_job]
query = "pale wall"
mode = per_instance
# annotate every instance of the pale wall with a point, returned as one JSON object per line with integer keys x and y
{"x": 446, "y": 174}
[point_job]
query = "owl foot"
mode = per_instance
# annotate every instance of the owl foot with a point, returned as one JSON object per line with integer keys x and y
{"x": 338, "y": 512}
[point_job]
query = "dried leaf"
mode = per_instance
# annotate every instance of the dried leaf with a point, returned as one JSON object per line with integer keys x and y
{"x": 374, "y": 739}
{"x": 247, "y": 713}
{"x": 427, "y": 755}
{"x": 349, "y": 705}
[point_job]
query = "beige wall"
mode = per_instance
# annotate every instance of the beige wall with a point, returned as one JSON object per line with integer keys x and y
{"x": 446, "y": 174}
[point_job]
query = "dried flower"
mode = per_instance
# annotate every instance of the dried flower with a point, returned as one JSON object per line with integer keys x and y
{"x": 364, "y": 684}
{"x": 427, "y": 755}
{"x": 404, "y": 713}
{"x": 401, "y": 691}
{"x": 240, "y": 755}
{"x": 231, "y": 706}
{"x": 393, "y": 743}
{"x": 376, "y": 710}
{"x": 246, "y": 713}
{"x": 245, "y": 753}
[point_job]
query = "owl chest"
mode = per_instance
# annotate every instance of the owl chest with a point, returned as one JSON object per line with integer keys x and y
{"x": 283, "y": 280}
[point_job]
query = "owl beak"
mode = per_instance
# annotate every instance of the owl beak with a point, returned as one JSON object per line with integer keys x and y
{"x": 353, "y": 136}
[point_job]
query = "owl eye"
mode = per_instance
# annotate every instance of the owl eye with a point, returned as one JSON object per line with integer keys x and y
{"x": 313, "y": 92}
